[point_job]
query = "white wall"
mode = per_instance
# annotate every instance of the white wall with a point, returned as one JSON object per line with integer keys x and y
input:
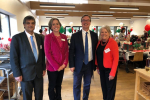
{"x": 17, "y": 12}
{"x": 138, "y": 26}
{"x": 77, "y": 21}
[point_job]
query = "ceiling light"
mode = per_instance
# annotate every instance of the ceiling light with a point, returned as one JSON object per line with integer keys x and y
{"x": 123, "y": 18}
{"x": 60, "y": 17}
{"x": 48, "y": 17}
{"x": 56, "y": 14}
{"x": 94, "y": 18}
{"x": 62, "y": 6}
{"x": 141, "y": 15}
{"x": 124, "y": 8}
{"x": 102, "y": 15}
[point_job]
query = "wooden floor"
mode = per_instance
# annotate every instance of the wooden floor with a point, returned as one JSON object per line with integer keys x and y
{"x": 124, "y": 91}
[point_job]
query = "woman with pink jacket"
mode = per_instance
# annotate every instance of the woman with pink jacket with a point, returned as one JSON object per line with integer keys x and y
{"x": 56, "y": 51}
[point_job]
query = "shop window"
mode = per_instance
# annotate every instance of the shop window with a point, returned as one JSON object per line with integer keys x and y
{"x": 4, "y": 32}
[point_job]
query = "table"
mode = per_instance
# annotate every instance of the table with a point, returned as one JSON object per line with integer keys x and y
{"x": 4, "y": 58}
{"x": 5, "y": 52}
{"x": 140, "y": 73}
{"x": 131, "y": 53}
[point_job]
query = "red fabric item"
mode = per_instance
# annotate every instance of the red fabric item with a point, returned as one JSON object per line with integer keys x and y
{"x": 141, "y": 50}
{"x": 129, "y": 44}
{"x": 111, "y": 58}
{"x": 59, "y": 41}
{"x": 55, "y": 55}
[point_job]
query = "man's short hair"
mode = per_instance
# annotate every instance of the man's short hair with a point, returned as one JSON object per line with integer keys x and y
{"x": 28, "y": 18}
{"x": 84, "y": 16}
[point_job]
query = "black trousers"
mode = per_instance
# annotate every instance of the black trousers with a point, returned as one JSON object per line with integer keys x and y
{"x": 28, "y": 86}
{"x": 108, "y": 87}
{"x": 55, "y": 80}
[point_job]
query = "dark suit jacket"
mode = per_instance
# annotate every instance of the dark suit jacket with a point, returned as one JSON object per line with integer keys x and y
{"x": 22, "y": 58}
{"x": 76, "y": 50}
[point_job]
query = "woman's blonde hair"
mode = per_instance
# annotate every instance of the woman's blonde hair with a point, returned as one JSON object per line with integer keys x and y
{"x": 104, "y": 27}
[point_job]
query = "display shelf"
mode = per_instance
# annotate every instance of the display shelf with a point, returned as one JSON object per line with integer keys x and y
{"x": 141, "y": 93}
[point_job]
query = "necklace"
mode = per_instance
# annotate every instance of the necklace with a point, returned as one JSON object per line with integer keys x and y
{"x": 104, "y": 43}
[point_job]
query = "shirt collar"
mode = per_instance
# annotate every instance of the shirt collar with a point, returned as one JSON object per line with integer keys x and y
{"x": 83, "y": 31}
{"x": 28, "y": 35}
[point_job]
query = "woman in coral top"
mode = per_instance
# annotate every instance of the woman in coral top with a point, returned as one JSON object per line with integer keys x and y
{"x": 56, "y": 51}
{"x": 107, "y": 57}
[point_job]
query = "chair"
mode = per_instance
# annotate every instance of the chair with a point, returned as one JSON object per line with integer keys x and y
{"x": 125, "y": 46}
{"x": 138, "y": 57}
{"x": 121, "y": 57}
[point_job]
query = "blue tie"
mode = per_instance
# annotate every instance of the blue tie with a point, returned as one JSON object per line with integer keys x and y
{"x": 86, "y": 50}
{"x": 34, "y": 48}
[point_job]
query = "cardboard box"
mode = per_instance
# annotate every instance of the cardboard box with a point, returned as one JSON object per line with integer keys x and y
{"x": 1, "y": 95}
{"x": 12, "y": 89}
{"x": 3, "y": 86}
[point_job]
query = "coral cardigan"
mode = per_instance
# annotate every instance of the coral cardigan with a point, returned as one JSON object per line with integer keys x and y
{"x": 110, "y": 56}
{"x": 56, "y": 56}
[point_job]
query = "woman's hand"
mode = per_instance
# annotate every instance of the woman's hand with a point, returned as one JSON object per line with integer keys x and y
{"x": 98, "y": 71}
{"x": 61, "y": 67}
{"x": 111, "y": 77}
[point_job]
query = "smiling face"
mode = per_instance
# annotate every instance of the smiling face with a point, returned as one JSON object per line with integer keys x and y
{"x": 55, "y": 26}
{"x": 86, "y": 22}
{"x": 29, "y": 26}
{"x": 104, "y": 35}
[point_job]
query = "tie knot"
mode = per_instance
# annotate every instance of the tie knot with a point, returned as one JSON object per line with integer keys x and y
{"x": 31, "y": 37}
{"x": 86, "y": 32}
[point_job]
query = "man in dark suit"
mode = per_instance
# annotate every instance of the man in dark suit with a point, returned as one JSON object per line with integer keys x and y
{"x": 27, "y": 60}
{"x": 82, "y": 57}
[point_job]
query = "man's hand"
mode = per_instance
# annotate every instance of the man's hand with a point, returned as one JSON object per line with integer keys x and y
{"x": 72, "y": 69}
{"x": 44, "y": 71}
{"x": 111, "y": 77}
{"x": 19, "y": 79}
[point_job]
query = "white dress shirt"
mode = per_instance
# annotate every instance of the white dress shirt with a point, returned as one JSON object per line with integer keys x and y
{"x": 90, "y": 55}
{"x": 34, "y": 39}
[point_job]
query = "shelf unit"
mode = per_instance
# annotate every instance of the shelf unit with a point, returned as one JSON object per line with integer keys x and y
{"x": 142, "y": 94}
{"x": 141, "y": 73}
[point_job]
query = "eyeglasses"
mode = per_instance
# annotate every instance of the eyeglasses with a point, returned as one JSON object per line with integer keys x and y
{"x": 86, "y": 20}
{"x": 28, "y": 23}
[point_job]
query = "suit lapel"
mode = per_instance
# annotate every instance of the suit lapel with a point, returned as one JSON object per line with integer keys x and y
{"x": 27, "y": 44}
{"x": 55, "y": 40}
{"x": 81, "y": 40}
{"x": 63, "y": 42}
{"x": 92, "y": 40}
{"x": 26, "y": 41}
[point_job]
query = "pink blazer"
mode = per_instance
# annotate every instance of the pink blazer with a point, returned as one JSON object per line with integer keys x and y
{"x": 55, "y": 55}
